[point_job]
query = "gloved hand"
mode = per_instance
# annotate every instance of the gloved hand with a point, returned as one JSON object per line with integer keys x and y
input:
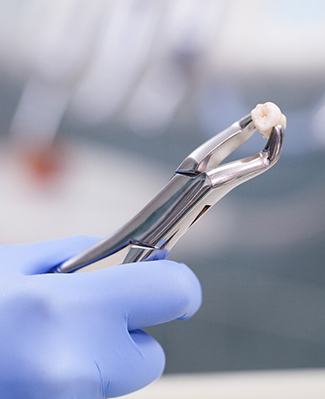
{"x": 79, "y": 336}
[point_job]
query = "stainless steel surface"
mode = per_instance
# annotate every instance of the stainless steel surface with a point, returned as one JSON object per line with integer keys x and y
{"x": 198, "y": 183}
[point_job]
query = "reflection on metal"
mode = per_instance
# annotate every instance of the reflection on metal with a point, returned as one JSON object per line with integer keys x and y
{"x": 199, "y": 182}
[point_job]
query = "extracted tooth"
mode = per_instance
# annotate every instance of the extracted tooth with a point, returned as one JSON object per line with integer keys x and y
{"x": 266, "y": 116}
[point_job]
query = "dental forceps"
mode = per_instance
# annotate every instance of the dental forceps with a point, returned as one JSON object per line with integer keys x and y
{"x": 199, "y": 182}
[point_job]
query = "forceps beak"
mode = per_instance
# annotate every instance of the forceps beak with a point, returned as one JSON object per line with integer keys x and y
{"x": 239, "y": 171}
{"x": 208, "y": 157}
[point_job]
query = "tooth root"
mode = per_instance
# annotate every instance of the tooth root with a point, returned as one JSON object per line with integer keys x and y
{"x": 283, "y": 121}
{"x": 266, "y": 116}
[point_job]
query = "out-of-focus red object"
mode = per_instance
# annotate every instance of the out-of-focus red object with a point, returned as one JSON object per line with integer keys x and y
{"x": 45, "y": 163}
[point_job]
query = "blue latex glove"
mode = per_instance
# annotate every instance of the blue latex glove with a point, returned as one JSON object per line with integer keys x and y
{"x": 78, "y": 336}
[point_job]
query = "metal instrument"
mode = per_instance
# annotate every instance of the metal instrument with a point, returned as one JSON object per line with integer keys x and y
{"x": 199, "y": 182}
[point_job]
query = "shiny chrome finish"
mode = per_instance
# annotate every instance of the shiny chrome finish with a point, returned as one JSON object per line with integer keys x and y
{"x": 199, "y": 182}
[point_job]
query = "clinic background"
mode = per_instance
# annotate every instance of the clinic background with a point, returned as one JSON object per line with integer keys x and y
{"x": 100, "y": 101}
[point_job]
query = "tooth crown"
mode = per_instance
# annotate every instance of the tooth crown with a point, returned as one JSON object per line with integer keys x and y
{"x": 266, "y": 116}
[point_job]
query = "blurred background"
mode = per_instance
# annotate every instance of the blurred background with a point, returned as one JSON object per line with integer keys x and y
{"x": 99, "y": 102}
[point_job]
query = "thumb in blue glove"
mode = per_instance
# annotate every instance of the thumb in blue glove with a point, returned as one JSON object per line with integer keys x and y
{"x": 80, "y": 335}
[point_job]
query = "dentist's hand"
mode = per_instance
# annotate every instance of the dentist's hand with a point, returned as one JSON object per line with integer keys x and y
{"x": 65, "y": 336}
